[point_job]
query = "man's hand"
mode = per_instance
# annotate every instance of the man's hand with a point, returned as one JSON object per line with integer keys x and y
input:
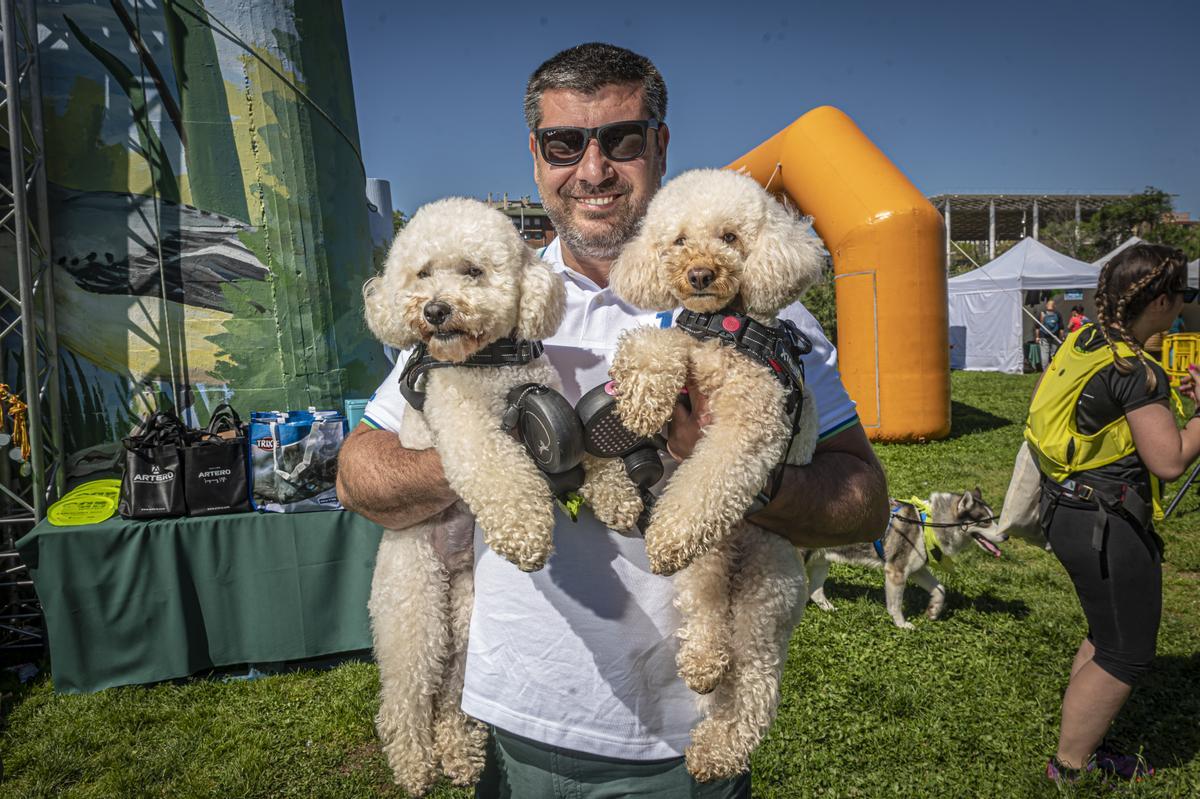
{"x": 391, "y": 485}
{"x": 840, "y": 498}
{"x": 686, "y": 426}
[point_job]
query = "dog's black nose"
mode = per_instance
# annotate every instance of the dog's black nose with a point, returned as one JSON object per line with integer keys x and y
{"x": 700, "y": 278}
{"x": 437, "y": 312}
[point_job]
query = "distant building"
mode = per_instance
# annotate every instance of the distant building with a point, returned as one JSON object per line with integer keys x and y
{"x": 529, "y": 217}
{"x": 991, "y": 218}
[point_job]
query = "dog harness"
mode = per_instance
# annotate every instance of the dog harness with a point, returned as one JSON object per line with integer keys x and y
{"x": 777, "y": 348}
{"x": 502, "y": 352}
{"x": 933, "y": 550}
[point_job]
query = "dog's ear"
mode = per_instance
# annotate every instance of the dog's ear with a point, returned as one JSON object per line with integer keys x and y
{"x": 543, "y": 298}
{"x": 966, "y": 502}
{"x": 785, "y": 259}
{"x": 385, "y": 318}
{"x": 639, "y": 277}
{"x": 978, "y": 494}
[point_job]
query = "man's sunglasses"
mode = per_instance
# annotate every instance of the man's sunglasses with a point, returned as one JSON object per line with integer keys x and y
{"x": 1189, "y": 294}
{"x": 619, "y": 141}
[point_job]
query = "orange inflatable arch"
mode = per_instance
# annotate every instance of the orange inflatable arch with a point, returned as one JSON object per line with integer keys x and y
{"x": 888, "y": 256}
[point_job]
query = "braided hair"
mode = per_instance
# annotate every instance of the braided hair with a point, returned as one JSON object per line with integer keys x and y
{"x": 1128, "y": 284}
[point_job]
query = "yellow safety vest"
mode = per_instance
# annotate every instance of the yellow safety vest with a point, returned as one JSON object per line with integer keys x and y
{"x": 1062, "y": 451}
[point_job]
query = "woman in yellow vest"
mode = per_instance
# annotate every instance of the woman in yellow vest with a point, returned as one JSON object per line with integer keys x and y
{"x": 1104, "y": 433}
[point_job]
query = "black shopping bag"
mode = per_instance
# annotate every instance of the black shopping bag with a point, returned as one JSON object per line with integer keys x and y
{"x": 214, "y": 466}
{"x": 152, "y": 483}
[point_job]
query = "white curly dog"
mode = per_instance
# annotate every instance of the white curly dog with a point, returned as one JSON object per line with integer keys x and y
{"x": 458, "y": 278}
{"x": 714, "y": 240}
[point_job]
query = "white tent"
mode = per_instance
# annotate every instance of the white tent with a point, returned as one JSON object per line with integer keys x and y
{"x": 1193, "y": 269}
{"x": 1102, "y": 260}
{"x": 985, "y": 303}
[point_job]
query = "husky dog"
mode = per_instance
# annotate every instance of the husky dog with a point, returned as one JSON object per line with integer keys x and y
{"x": 902, "y": 554}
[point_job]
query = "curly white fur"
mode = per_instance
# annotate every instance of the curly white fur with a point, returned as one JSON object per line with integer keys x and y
{"x": 468, "y": 262}
{"x": 711, "y": 239}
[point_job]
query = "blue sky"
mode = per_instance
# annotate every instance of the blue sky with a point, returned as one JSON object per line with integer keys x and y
{"x": 966, "y": 97}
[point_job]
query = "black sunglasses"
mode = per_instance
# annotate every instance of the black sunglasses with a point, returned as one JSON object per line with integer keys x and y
{"x": 619, "y": 141}
{"x": 1189, "y": 294}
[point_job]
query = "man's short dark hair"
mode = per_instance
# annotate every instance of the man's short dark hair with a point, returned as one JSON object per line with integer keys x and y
{"x": 588, "y": 67}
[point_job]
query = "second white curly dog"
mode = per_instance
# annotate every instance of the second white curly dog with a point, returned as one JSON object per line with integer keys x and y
{"x": 715, "y": 240}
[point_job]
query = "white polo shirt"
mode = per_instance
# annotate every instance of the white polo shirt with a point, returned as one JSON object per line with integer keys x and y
{"x": 582, "y": 653}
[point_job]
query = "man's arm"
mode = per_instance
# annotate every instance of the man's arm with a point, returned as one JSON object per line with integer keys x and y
{"x": 840, "y": 498}
{"x": 389, "y": 484}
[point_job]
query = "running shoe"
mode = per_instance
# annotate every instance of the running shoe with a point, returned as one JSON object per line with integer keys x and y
{"x": 1119, "y": 764}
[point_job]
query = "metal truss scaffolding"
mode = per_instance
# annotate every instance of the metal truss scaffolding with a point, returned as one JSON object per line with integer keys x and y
{"x": 28, "y": 344}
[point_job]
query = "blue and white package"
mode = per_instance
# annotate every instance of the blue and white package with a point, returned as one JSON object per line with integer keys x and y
{"x": 293, "y": 460}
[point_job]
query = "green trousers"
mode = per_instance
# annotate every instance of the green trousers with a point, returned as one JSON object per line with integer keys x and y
{"x": 518, "y": 768}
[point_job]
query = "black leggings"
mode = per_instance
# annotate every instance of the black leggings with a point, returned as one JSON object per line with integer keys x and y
{"x": 1120, "y": 588}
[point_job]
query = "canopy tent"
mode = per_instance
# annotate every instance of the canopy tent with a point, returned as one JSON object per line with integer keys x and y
{"x": 1103, "y": 259}
{"x": 985, "y": 304}
{"x": 1193, "y": 268}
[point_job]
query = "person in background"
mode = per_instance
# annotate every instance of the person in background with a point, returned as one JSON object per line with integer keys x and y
{"x": 1103, "y": 431}
{"x": 1049, "y": 332}
{"x": 1077, "y": 320}
{"x": 1178, "y": 326}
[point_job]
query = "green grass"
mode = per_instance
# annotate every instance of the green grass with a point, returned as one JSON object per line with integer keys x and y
{"x": 963, "y": 707}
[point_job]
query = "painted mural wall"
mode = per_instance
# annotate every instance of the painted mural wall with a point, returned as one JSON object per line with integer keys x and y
{"x": 208, "y": 210}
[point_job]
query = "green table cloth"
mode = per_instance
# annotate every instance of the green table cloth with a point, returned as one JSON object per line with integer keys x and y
{"x": 141, "y": 601}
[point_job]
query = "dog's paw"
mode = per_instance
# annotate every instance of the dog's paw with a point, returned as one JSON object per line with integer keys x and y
{"x": 644, "y": 412}
{"x": 645, "y": 397}
{"x": 665, "y": 561}
{"x": 702, "y": 675}
{"x": 415, "y": 775}
{"x": 462, "y": 747}
{"x": 524, "y": 538}
{"x": 825, "y": 604}
{"x": 937, "y": 603}
{"x": 714, "y": 753}
{"x": 612, "y": 496}
{"x": 905, "y": 625}
{"x": 669, "y": 548}
{"x": 520, "y": 551}
{"x": 619, "y": 514}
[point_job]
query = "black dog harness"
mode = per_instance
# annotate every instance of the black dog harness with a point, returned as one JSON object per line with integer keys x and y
{"x": 502, "y": 352}
{"x": 537, "y": 415}
{"x": 777, "y": 348}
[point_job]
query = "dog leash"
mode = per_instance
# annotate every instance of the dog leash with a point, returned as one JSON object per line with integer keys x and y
{"x": 933, "y": 550}
{"x": 502, "y": 352}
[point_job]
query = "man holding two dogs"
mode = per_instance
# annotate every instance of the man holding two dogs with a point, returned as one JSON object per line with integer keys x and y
{"x": 573, "y": 666}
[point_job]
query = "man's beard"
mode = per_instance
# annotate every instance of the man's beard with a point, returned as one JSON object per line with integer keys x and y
{"x": 605, "y": 245}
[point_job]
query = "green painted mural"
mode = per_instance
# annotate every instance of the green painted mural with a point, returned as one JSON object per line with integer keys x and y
{"x": 208, "y": 209}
